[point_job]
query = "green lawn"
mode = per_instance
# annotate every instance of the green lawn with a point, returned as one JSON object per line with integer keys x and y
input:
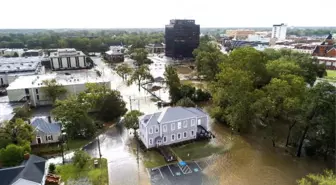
{"x": 183, "y": 69}
{"x": 153, "y": 159}
{"x": 197, "y": 150}
{"x": 197, "y": 84}
{"x": 331, "y": 73}
{"x": 98, "y": 176}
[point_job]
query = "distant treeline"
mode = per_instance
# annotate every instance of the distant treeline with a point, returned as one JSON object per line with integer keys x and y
{"x": 85, "y": 40}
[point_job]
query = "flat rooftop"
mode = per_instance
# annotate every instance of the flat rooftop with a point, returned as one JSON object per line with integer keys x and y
{"x": 19, "y": 64}
{"x": 66, "y": 52}
{"x": 35, "y": 81}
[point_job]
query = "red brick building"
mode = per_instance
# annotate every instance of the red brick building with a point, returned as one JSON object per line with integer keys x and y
{"x": 327, "y": 48}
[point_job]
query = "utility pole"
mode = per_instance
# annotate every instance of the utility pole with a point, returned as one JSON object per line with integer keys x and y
{"x": 130, "y": 99}
{"x": 100, "y": 155}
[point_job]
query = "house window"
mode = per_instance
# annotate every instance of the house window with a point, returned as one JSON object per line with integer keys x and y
{"x": 164, "y": 128}
{"x": 49, "y": 138}
{"x": 37, "y": 97}
{"x": 192, "y": 133}
{"x": 184, "y": 134}
{"x": 150, "y": 130}
{"x": 173, "y": 126}
{"x": 193, "y": 122}
{"x": 185, "y": 124}
{"x": 156, "y": 129}
{"x": 179, "y": 136}
{"x": 164, "y": 139}
{"x": 179, "y": 125}
{"x": 173, "y": 137}
{"x": 150, "y": 141}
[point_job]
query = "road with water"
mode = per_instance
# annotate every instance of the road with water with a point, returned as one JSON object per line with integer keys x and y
{"x": 246, "y": 163}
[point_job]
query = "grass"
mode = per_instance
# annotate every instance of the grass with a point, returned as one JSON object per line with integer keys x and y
{"x": 183, "y": 70}
{"x": 153, "y": 159}
{"x": 197, "y": 150}
{"x": 331, "y": 73}
{"x": 97, "y": 176}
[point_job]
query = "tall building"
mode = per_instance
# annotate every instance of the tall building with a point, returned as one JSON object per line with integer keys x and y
{"x": 181, "y": 38}
{"x": 279, "y": 31}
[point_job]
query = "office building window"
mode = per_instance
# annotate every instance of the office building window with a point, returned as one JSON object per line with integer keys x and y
{"x": 36, "y": 90}
{"x": 68, "y": 61}
{"x": 193, "y": 122}
{"x": 185, "y": 124}
{"x": 37, "y": 97}
{"x": 173, "y": 126}
{"x": 77, "y": 62}
{"x": 173, "y": 137}
{"x": 179, "y": 125}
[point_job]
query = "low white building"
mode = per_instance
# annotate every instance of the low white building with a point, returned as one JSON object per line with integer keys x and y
{"x": 68, "y": 58}
{"x": 30, "y": 87}
{"x": 11, "y": 68}
{"x": 11, "y": 52}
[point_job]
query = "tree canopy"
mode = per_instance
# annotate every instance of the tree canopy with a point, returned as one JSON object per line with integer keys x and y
{"x": 53, "y": 90}
{"x": 326, "y": 178}
{"x": 139, "y": 75}
{"x": 131, "y": 119}
{"x": 16, "y": 132}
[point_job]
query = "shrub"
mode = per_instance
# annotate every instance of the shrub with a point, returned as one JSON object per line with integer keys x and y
{"x": 80, "y": 158}
{"x": 52, "y": 168}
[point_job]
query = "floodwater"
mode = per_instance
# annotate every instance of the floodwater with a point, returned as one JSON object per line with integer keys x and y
{"x": 247, "y": 162}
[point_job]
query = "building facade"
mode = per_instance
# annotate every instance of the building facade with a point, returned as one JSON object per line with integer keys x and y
{"x": 45, "y": 132}
{"x": 29, "y": 88}
{"x": 172, "y": 125}
{"x": 156, "y": 48}
{"x": 115, "y": 54}
{"x": 279, "y": 31}
{"x": 327, "y": 48}
{"x": 181, "y": 38}
{"x": 65, "y": 59}
{"x": 239, "y": 34}
{"x": 11, "y": 68}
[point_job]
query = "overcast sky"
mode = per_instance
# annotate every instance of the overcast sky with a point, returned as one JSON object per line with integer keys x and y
{"x": 157, "y": 13}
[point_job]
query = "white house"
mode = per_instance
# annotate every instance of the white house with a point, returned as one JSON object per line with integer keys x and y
{"x": 29, "y": 87}
{"x": 68, "y": 58}
{"x": 11, "y": 68}
{"x": 279, "y": 31}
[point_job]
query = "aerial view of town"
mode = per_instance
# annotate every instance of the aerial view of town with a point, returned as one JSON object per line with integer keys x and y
{"x": 165, "y": 98}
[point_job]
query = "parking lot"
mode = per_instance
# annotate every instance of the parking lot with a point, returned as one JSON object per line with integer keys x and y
{"x": 191, "y": 174}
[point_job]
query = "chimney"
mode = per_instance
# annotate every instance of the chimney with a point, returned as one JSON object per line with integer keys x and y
{"x": 49, "y": 119}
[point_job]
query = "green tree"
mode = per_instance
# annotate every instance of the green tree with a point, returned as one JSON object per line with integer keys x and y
{"x": 16, "y": 54}
{"x": 207, "y": 63}
{"x": 124, "y": 70}
{"x": 53, "y": 90}
{"x": 140, "y": 56}
{"x": 17, "y": 132}
{"x": 140, "y": 74}
{"x": 131, "y": 119}
{"x": 81, "y": 158}
{"x": 73, "y": 115}
{"x": 326, "y": 178}
{"x": 12, "y": 155}
{"x": 185, "y": 102}
{"x": 318, "y": 109}
{"x": 22, "y": 112}
{"x": 112, "y": 106}
{"x": 173, "y": 83}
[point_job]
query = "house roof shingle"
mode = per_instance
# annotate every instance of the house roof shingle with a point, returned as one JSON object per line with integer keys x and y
{"x": 175, "y": 113}
{"x": 33, "y": 170}
{"x": 45, "y": 126}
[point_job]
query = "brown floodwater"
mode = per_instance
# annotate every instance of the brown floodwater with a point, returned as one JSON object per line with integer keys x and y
{"x": 247, "y": 162}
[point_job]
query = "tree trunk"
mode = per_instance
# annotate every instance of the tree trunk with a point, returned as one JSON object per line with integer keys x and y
{"x": 298, "y": 154}
{"x": 289, "y": 132}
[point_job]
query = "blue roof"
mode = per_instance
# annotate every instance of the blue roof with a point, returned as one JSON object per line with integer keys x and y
{"x": 32, "y": 170}
{"x": 45, "y": 126}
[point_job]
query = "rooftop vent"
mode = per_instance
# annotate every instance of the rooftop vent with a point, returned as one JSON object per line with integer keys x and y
{"x": 17, "y": 67}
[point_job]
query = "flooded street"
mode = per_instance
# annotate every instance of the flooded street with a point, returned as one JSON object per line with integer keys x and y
{"x": 245, "y": 163}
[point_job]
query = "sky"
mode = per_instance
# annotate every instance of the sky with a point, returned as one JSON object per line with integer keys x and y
{"x": 157, "y": 13}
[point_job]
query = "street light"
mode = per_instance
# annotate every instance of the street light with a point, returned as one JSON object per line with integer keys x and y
{"x": 63, "y": 139}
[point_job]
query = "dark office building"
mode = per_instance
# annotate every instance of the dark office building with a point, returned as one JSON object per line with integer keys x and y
{"x": 181, "y": 38}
